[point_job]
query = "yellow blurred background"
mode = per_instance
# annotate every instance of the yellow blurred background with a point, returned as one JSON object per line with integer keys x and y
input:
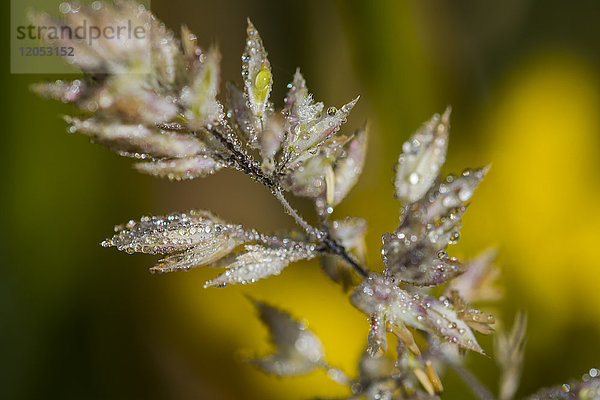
{"x": 83, "y": 322}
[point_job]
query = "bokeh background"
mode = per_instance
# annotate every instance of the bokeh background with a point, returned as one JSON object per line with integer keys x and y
{"x": 82, "y": 322}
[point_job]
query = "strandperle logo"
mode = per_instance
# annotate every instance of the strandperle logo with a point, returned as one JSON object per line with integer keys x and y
{"x": 82, "y": 32}
{"x": 40, "y": 42}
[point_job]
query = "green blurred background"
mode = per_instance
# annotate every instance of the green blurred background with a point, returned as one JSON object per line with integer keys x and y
{"x": 82, "y": 322}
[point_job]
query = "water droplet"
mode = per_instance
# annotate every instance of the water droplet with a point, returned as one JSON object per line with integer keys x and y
{"x": 454, "y": 238}
{"x": 414, "y": 178}
{"x": 263, "y": 79}
{"x": 64, "y": 8}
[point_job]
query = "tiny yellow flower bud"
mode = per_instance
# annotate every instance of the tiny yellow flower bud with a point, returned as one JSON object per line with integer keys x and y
{"x": 262, "y": 81}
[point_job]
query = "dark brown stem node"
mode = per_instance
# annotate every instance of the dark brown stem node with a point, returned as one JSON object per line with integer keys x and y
{"x": 247, "y": 165}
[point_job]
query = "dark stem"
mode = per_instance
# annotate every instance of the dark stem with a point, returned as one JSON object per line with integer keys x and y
{"x": 252, "y": 169}
{"x": 322, "y": 236}
{"x": 244, "y": 162}
{"x": 340, "y": 250}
